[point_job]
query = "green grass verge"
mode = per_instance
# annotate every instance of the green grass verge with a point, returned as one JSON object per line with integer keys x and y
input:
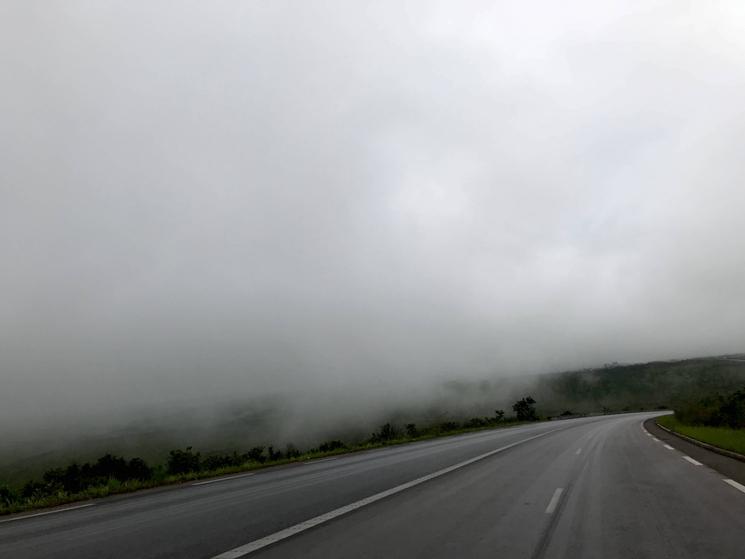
{"x": 114, "y": 487}
{"x": 723, "y": 437}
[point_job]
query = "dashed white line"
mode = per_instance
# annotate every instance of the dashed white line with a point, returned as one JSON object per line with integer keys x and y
{"x": 222, "y": 479}
{"x": 554, "y": 500}
{"x": 692, "y": 461}
{"x": 655, "y": 439}
{"x": 733, "y": 483}
{"x": 47, "y": 512}
{"x": 667, "y": 446}
{"x": 578, "y": 451}
{"x": 323, "y": 518}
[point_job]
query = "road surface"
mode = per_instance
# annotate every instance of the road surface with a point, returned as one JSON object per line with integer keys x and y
{"x": 600, "y": 487}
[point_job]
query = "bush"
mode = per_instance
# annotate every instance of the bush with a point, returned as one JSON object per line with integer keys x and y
{"x": 183, "y": 461}
{"x": 446, "y": 426}
{"x": 331, "y": 445}
{"x": 273, "y": 455}
{"x": 33, "y": 490}
{"x": 8, "y": 497}
{"x": 525, "y": 410}
{"x": 256, "y": 454}
{"x": 219, "y": 461}
{"x": 719, "y": 411}
{"x": 411, "y": 430}
{"x": 292, "y": 452}
{"x": 387, "y": 433}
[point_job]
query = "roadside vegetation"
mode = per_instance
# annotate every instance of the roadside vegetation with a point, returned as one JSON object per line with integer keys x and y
{"x": 111, "y": 474}
{"x": 716, "y": 420}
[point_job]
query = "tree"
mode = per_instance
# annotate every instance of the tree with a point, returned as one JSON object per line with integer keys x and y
{"x": 498, "y": 415}
{"x": 411, "y": 430}
{"x": 387, "y": 433}
{"x": 256, "y": 454}
{"x": 183, "y": 461}
{"x": 525, "y": 410}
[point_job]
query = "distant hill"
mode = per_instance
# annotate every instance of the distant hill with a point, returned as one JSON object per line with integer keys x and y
{"x": 282, "y": 419}
{"x": 633, "y": 387}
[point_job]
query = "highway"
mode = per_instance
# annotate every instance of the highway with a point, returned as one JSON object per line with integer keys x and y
{"x": 599, "y": 487}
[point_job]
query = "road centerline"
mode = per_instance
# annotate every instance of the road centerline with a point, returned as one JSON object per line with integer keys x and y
{"x": 554, "y": 500}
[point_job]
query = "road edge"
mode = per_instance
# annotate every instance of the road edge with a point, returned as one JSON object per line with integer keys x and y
{"x": 707, "y": 446}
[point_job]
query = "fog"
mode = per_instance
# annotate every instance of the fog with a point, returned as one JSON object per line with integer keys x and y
{"x": 351, "y": 202}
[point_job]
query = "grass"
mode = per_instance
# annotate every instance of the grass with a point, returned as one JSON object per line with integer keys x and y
{"x": 723, "y": 437}
{"x": 160, "y": 479}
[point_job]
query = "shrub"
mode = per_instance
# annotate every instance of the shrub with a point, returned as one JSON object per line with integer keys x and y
{"x": 448, "y": 426}
{"x": 8, "y": 497}
{"x": 256, "y": 454}
{"x": 525, "y": 410}
{"x": 291, "y": 451}
{"x": 218, "y": 461}
{"x": 328, "y": 446}
{"x": 33, "y": 490}
{"x": 183, "y": 461}
{"x": 273, "y": 455}
{"x": 387, "y": 433}
{"x": 719, "y": 411}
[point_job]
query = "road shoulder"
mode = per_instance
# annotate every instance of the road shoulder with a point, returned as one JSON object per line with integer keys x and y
{"x": 728, "y": 467}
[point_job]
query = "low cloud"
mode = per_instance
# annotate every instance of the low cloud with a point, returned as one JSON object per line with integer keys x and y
{"x": 212, "y": 201}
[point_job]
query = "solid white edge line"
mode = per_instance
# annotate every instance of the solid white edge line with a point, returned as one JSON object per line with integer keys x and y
{"x": 692, "y": 461}
{"x": 554, "y": 500}
{"x": 734, "y": 484}
{"x": 222, "y": 479}
{"x": 47, "y": 512}
{"x": 321, "y": 460}
{"x": 323, "y": 518}
{"x": 667, "y": 446}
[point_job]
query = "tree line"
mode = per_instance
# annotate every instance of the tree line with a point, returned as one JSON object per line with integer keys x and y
{"x": 111, "y": 473}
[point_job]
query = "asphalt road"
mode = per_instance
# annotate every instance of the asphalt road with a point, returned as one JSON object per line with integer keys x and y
{"x": 595, "y": 487}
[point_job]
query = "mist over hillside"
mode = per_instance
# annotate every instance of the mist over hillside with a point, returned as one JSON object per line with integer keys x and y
{"x": 284, "y": 220}
{"x": 306, "y": 419}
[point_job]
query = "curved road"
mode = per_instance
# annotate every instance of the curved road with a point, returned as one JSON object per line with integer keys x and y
{"x": 599, "y": 487}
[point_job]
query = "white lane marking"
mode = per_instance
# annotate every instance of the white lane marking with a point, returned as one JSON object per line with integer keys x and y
{"x": 649, "y": 434}
{"x": 222, "y": 479}
{"x": 734, "y": 484}
{"x": 554, "y": 500}
{"x": 578, "y": 451}
{"x": 47, "y": 512}
{"x": 692, "y": 461}
{"x": 323, "y": 518}
{"x": 667, "y": 446}
{"x": 321, "y": 460}
{"x": 655, "y": 439}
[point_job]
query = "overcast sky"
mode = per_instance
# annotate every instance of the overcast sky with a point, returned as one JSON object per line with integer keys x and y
{"x": 210, "y": 199}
